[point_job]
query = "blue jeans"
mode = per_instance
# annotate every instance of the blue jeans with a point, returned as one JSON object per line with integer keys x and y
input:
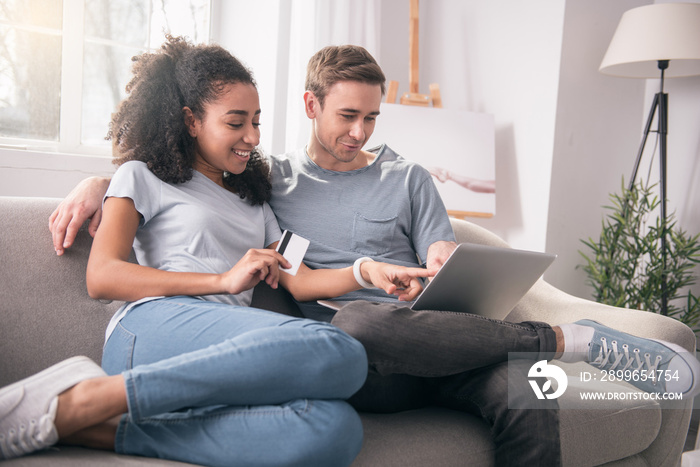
{"x": 212, "y": 384}
{"x": 460, "y": 361}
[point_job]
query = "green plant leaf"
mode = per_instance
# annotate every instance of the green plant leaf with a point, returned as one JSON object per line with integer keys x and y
{"x": 625, "y": 266}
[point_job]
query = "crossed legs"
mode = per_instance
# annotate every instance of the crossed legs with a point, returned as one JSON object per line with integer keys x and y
{"x": 459, "y": 361}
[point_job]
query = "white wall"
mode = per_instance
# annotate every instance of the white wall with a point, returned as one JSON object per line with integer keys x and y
{"x": 596, "y": 138}
{"x": 251, "y": 33}
{"x": 683, "y": 148}
{"x": 499, "y": 57}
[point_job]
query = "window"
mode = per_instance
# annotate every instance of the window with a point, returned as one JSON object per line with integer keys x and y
{"x": 64, "y": 64}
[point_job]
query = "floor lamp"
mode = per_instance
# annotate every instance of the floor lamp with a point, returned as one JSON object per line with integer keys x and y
{"x": 658, "y": 40}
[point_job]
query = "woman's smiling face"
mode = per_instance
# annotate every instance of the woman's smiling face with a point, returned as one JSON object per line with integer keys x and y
{"x": 227, "y": 133}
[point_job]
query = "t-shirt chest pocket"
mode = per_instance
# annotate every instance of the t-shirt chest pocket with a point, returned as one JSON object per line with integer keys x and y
{"x": 373, "y": 236}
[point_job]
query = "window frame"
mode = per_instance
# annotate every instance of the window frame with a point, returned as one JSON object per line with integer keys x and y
{"x": 71, "y": 97}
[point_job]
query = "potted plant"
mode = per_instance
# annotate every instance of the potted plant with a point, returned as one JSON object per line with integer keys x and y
{"x": 626, "y": 267}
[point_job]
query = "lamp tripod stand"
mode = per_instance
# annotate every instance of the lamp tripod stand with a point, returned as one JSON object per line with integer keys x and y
{"x": 659, "y": 104}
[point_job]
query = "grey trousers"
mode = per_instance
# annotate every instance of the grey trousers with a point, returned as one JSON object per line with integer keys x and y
{"x": 459, "y": 361}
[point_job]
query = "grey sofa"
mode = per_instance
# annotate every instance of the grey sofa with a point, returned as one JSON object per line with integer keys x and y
{"x": 46, "y": 316}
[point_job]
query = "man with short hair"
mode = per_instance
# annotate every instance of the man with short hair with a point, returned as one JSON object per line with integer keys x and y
{"x": 347, "y": 201}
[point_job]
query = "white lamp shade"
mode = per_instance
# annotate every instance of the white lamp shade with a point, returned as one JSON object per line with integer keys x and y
{"x": 645, "y": 35}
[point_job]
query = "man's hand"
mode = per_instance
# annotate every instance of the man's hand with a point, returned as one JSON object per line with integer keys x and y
{"x": 82, "y": 203}
{"x": 438, "y": 253}
{"x": 395, "y": 280}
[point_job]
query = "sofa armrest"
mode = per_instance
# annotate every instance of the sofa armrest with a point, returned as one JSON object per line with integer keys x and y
{"x": 546, "y": 303}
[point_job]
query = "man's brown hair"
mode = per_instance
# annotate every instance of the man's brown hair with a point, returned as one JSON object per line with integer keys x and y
{"x": 341, "y": 63}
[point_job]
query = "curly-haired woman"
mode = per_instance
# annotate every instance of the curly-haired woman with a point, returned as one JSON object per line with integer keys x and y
{"x": 190, "y": 372}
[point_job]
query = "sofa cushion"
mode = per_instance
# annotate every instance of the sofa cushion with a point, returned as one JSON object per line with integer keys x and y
{"x": 431, "y": 437}
{"x": 33, "y": 278}
{"x": 591, "y": 431}
{"x": 71, "y": 456}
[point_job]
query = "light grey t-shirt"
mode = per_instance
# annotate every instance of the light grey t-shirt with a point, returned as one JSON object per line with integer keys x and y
{"x": 390, "y": 211}
{"x": 196, "y": 226}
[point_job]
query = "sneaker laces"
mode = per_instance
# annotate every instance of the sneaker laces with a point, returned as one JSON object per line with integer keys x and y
{"x": 29, "y": 438}
{"x": 625, "y": 360}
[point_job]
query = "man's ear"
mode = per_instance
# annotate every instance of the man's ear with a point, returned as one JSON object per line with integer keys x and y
{"x": 311, "y": 104}
{"x": 190, "y": 121}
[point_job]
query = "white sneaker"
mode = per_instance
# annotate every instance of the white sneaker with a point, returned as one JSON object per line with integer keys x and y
{"x": 28, "y": 407}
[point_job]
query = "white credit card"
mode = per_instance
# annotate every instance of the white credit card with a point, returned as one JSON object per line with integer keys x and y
{"x": 293, "y": 248}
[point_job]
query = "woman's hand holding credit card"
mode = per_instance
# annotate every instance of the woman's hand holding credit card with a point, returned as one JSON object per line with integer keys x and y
{"x": 293, "y": 248}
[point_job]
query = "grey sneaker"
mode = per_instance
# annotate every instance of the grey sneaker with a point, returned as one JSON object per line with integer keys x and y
{"x": 28, "y": 407}
{"x": 651, "y": 365}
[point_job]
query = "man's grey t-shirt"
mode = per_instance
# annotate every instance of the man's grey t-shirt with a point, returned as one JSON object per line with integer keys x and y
{"x": 390, "y": 211}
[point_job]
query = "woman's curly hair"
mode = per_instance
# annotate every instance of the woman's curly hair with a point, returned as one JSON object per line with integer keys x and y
{"x": 149, "y": 124}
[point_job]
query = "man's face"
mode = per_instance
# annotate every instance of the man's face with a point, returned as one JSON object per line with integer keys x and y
{"x": 344, "y": 124}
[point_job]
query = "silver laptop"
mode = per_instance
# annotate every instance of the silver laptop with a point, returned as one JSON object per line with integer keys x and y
{"x": 479, "y": 279}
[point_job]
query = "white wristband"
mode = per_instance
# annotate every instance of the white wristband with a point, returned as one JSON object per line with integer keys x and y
{"x": 358, "y": 275}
